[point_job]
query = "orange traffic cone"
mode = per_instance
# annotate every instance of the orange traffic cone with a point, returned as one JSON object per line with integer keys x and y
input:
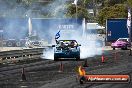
{"x": 103, "y": 59}
{"x": 61, "y": 67}
{"x": 23, "y": 76}
{"x": 85, "y": 63}
{"x": 115, "y": 55}
{"x": 14, "y": 60}
{"x": 130, "y": 53}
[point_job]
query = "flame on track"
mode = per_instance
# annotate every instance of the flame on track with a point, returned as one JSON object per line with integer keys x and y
{"x": 81, "y": 71}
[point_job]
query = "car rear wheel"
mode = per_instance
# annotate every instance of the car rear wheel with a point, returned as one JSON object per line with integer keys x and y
{"x": 55, "y": 58}
{"x": 126, "y": 47}
{"x": 78, "y": 57}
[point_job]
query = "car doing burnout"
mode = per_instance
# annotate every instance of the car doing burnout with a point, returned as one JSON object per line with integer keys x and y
{"x": 66, "y": 49}
{"x": 122, "y": 43}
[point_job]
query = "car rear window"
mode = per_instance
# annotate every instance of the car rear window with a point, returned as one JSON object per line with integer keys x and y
{"x": 125, "y": 40}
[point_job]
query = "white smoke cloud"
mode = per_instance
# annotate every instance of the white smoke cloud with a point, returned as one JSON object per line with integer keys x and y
{"x": 89, "y": 45}
{"x": 88, "y": 48}
{"x": 57, "y": 10}
{"x": 48, "y": 54}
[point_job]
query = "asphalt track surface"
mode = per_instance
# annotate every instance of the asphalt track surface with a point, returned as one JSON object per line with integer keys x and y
{"x": 45, "y": 73}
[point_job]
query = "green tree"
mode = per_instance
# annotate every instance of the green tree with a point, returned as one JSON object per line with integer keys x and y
{"x": 116, "y": 11}
{"x": 81, "y": 12}
{"x": 84, "y": 3}
{"x": 113, "y": 2}
{"x": 130, "y": 2}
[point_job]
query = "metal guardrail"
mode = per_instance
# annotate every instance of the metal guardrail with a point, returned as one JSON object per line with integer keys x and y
{"x": 19, "y": 55}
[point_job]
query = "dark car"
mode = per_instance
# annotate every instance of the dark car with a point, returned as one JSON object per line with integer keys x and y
{"x": 67, "y": 49}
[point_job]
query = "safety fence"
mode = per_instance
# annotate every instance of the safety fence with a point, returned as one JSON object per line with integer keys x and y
{"x": 19, "y": 55}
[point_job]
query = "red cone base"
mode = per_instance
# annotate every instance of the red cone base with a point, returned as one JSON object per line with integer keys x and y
{"x": 103, "y": 59}
{"x": 61, "y": 67}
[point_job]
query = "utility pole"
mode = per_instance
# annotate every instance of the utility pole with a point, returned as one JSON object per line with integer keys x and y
{"x": 95, "y": 7}
{"x": 75, "y": 3}
{"x": 76, "y": 13}
{"x": 130, "y": 37}
{"x": 1, "y": 39}
{"x": 129, "y": 26}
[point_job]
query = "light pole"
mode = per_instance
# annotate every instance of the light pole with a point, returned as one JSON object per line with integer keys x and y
{"x": 130, "y": 39}
{"x": 1, "y": 32}
{"x": 75, "y": 3}
{"x": 95, "y": 7}
{"x": 76, "y": 12}
{"x": 129, "y": 26}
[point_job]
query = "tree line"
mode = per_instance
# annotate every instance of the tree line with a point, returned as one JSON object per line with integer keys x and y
{"x": 106, "y": 9}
